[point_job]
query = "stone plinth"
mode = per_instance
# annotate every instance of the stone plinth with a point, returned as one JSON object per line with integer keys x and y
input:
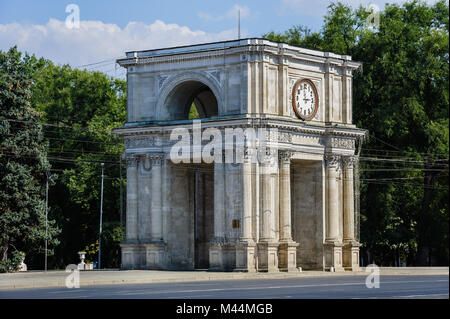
{"x": 268, "y": 257}
{"x": 288, "y": 257}
{"x": 351, "y": 256}
{"x": 333, "y": 256}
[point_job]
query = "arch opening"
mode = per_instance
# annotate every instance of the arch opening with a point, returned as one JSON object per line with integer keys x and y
{"x": 179, "y": 101}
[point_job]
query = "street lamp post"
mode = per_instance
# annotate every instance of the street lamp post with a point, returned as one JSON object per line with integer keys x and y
{"x": 46, "y": 217}
{"x": 101, "y": 217}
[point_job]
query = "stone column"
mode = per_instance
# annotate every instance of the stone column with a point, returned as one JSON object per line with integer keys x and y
{"x": 144, "y": 195}
{"x": 245, "y": 249}
{"x": 267, "y": 247}
{"x": 333, "y": 247}
{"x": 247, "y": 201}
{"x": 132, "y": 199}
{"x": 156, "y": 208}
{"x": 267, "y": 204}
{"x": 155, "y": 249}
{"x": 216, "y": 260}
{"x": 332, "y": 162}
{"x": 351, "y": 246}
{"x": 288, "y": 248}
{"x": 349, "y": 204}
{"x": 219, "y": 201}
{"x": 285, "y": 197}
{"x": 131, "y": 251}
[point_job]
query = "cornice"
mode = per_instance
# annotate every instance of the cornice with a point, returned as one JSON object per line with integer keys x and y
{"x": 282, "y": 125}
{"x": 249, "y": 46}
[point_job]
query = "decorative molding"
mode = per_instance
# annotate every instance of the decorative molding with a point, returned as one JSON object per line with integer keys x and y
{"x": 343, "y": 143}
{"x": 156, "y": 158}
{"x": 132, "y": 161}
{"x": 216, "y": 74}
{"x": 268, "y": 156}
{"x": 139, "y": 142}
{"x": 348, "y": 162}
{"x": 332, "y": 160}
{"x": 161, "y": 79}
{"x": 284, "y": 137}
{"x": 147, "y": 164}
{"x": 285, "y": 157}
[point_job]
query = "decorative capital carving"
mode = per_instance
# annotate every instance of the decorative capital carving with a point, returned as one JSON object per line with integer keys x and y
{"x": 332, "y": 160}
{"x": 348, "y": 161}
{"x": 248, "y": 154}
{"x": 267, "y": 155}
{"x": 156, "y": 158}
{"x": 285, "y": 157}
{"x": 131, "y": 160}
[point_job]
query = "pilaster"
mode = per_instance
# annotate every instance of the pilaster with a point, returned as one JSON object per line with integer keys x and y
{"x": 287, "y": 248}
{"x": 132, "y": 199}
{"x": 333, "y": 244}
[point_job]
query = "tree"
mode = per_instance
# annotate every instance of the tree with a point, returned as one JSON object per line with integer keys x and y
{"x": 80, "y": 109}
{"x": 401, "y": 97}
{"x": 23, "y": 164}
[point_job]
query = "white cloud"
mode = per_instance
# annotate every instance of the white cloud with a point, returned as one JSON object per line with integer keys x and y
{"x": 231, "y": 14}
{"x": 97, "y": 41}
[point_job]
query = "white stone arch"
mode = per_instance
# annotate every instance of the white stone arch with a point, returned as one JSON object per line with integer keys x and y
{"x": 172, "y": 82}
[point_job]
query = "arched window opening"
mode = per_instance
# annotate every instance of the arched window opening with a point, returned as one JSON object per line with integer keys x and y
{"x": 191, "y": 100}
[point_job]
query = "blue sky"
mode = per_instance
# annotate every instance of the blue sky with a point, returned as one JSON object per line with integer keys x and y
{"x": 109, "y": 28}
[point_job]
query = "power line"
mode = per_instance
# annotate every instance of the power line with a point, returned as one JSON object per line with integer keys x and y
{"x": 410, "y": 152}
{"x": 100, "y": 62}
{"x": 58, "y": 126}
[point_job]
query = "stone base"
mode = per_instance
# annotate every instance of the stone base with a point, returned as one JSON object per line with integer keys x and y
{"x": 245, "y": 257}
{"x": 351, "y": 256}
{"x": 216, "y": 258}
{"x": 268, "y": 257}
{"x": 133, "y": 256}
{"x": 143, "y": 255}
{"x": 224, "y": 256}
{"x": 155, "y": 255}
{"x": 333, "y": 256}
{"x": 288, "y": 256}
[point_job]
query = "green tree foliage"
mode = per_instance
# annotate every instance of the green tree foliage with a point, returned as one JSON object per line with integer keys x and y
{"x": 401, "y": 97}
{"x": 23, "y": 164}
{"x": 80, "y": 109}
{"x": 193, "y": 113}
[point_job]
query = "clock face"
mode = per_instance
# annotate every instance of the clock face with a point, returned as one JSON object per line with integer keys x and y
{"x": 305, "y": 99}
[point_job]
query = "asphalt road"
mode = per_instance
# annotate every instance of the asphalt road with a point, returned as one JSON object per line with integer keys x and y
{"x": 345, "y": 287}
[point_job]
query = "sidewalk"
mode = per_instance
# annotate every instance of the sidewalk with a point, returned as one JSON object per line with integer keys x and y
{"x": 39, "y": 279}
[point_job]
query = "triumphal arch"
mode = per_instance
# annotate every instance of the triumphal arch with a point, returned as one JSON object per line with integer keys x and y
{"x": 263, "y": 179}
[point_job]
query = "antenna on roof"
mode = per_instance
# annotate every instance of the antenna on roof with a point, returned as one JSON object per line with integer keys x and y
{"x": 239, "y": 24}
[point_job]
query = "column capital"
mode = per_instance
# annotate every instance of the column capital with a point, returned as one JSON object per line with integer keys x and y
{"x": 249, "y": 154}
{"x": 332, "y": 160}
{"x": 285, "y": 156}
{"x": 348, "y": 161}
{"x": 131, "y": 160}
{"x": 267, "y": 156}
{"x": 155, "y": 158}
